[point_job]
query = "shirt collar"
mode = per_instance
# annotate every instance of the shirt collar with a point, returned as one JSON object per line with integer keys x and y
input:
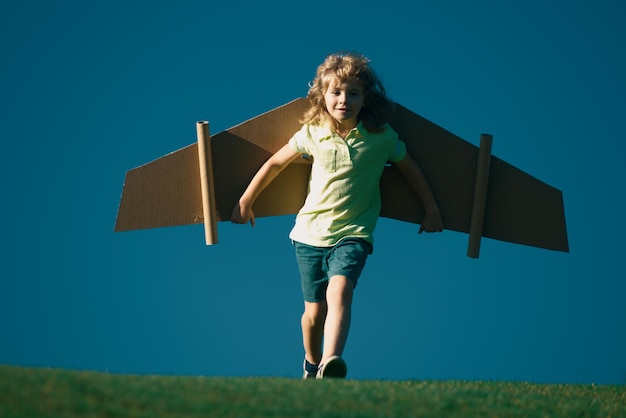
{"x": 358, "y": 131}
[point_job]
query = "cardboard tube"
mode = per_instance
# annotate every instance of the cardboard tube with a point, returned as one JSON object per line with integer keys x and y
{"x": 480, "y": 195}
{"x": 206, "y": 183}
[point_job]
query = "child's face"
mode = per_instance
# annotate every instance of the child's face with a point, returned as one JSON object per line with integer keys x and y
{"x": 344, "y": 101}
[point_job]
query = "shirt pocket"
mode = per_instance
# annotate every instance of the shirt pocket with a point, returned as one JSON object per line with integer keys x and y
{"x": 327, "y": 160}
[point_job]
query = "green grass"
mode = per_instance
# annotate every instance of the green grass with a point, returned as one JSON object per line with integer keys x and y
{"x": 37, "y": 392}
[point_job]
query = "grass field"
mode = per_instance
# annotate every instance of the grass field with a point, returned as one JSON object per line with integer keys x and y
{"x": 38, "y": 392}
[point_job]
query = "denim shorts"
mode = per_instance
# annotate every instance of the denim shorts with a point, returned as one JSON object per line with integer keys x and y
{"x": 318, "y": 264}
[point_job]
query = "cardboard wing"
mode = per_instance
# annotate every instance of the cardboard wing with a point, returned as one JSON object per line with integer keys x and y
{"x": 477, "y": 193}
{"x": 516, "y": 207}
{"x": 169, "y": 191}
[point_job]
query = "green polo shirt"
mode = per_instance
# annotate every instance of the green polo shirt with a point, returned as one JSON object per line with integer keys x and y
{"x": 344, "y": 188}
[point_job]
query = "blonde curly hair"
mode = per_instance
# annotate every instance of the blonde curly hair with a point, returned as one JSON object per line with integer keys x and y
{"x": 349, "y": 66}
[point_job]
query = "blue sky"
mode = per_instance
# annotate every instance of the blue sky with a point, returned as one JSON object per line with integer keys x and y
{"x": 91, "y": 90}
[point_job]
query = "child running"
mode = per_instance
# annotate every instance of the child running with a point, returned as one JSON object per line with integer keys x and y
{"x": 346, "y": 133}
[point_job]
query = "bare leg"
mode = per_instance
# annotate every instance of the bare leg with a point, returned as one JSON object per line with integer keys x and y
{"x": 313, "y": 330}
{"x": 339, "y": 301}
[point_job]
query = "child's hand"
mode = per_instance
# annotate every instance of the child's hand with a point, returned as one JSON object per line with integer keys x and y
{"x": 241, "y": 215}
{"x": 431, "y": 223}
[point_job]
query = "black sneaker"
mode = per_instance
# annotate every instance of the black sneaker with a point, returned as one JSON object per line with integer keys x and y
{"x": 308, "y": 374}
{"x": 335, "y": 367}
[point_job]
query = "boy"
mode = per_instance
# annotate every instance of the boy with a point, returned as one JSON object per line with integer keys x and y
{"x": 346, "y": 133}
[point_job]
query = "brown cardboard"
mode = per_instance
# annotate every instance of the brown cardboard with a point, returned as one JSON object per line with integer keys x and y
{"x": 481, "y": 183}
{"x": 165, "y": 192}
{"x": 518, "y": 207}
{"x": 207, "y": 185}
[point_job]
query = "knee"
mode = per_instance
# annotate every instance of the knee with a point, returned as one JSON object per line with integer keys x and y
{"x": 340, "y": 290}
{"x": 314, "y": 314}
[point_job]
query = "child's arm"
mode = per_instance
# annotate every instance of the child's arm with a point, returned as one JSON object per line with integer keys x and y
{"x": 242, "y": 213}
{"x": 432, "y": 221}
